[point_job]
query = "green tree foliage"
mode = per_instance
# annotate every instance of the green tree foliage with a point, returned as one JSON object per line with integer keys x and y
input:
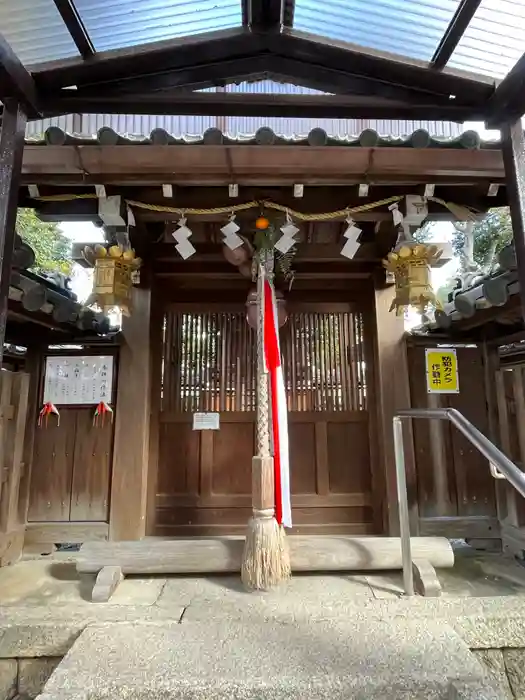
{"x": 424, "y": 234}
{"x": 491, "y": 234}
{"x": 52, "y": 248}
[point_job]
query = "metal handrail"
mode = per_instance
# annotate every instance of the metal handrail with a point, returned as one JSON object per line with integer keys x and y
{"x": 497, "y": 461}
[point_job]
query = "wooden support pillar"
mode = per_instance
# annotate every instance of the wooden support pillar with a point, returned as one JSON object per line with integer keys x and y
{"x": 392, "y": 394}
{"x": 495, "y": 394}
{"x": 439, "y": 459}
{"x": 156, "y": 330}
{"x": 34, "y": 367}
{"x": 11, "y": 151}
{"x": 513, "y": 144}
{"x": 129, "y": 484}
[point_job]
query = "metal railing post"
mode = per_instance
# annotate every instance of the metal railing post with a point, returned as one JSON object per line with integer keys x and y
{"x": 500, "y": 466}
{"x": 402, "y": 502}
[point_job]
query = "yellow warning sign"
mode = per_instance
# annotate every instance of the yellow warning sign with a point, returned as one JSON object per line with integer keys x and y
{"x": 442, "y": 371}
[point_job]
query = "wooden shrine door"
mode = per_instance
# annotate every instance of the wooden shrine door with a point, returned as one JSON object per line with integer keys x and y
{"x": 204, "y": 481}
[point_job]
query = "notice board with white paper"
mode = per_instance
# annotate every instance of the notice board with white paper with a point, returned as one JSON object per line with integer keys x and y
{"x": 79, "y": 379}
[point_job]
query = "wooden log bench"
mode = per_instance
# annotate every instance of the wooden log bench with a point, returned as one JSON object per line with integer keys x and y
{"x": 111, "y": 561}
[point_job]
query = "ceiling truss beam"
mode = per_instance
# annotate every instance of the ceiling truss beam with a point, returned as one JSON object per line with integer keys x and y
{"x": 259, "y": 67}
{"x": 238, "y": 104}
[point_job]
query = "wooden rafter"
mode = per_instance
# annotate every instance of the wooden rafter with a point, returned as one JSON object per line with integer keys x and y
{"x": 455, "y": 30}
{"x": 149, "y": 59}
{"x": 75, "y": 27}
{"x": 15, "y": 80}
{"x": 200, "y": 76}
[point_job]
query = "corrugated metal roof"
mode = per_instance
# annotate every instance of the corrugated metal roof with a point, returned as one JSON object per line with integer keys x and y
{"x": 272, "y": 87}
{"x": 494, "y": 40}
{"x": 114, "y": 24}
{"x": 411, "y": 28}
{"x": 35, "y": 30}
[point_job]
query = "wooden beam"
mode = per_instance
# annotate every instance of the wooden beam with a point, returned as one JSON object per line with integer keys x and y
{"x": 257, "y": 165}
{"x": 514, "y": 159}
{"x": 128, "y": 504}
{"x": 257, "y": 105}
{"x": 202, "y": 75}
{"x": 508, "y": 102}
{"x": 75, "y": 27}
{"x": 455, "y": 30}
{"x": 15, "y": 80}
{"x": 11, "y": 154}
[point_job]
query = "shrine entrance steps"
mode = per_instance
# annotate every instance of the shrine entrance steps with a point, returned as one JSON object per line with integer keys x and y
{"x": 346, "y": 658}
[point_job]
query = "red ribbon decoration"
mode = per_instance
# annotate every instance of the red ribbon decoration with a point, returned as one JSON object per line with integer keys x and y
{"x": 47, "y": 410}
{"x": 100, "y": 413}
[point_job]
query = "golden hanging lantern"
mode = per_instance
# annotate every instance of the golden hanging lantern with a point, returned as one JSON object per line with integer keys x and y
{"x": 115, "y": 273}
{"x": 410, "y": 264}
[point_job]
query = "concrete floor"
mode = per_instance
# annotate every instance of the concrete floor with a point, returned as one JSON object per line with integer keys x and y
{"x": 53, "y": 581}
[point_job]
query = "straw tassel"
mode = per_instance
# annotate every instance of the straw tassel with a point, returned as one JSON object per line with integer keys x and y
{"x": 266, "y": 560}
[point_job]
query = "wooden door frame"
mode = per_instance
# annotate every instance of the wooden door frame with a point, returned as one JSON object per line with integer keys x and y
{"x": 364, "y": 305}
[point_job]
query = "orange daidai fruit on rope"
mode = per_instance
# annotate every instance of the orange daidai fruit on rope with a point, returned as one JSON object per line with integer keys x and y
{"x": 262, "y": 223}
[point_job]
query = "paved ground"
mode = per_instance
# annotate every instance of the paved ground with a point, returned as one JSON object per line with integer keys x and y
{"x": 335, "y": 659}
{"x": 357, "y": 632}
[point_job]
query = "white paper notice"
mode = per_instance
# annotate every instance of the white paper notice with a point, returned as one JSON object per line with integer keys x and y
{"x": 206, "y": 421}
{"x": 82, "y": 379}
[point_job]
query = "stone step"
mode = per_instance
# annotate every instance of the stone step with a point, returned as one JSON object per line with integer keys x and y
{"x": 353, "y": 658}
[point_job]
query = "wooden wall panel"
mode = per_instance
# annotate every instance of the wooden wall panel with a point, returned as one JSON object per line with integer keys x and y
{"x": 475, "y": 489}
{"x": 349, "y": 458}
{"x": 179, "y": 459}
{"x": 468, "y": 486}
{"x": 510, "y": 391}
{"x": 51, "y": 478}
{"x": 427, "y": 500}
{"x": 233, "y": 448}
{"x": 302, "y": 457}
{"x": 91, "y": 468}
